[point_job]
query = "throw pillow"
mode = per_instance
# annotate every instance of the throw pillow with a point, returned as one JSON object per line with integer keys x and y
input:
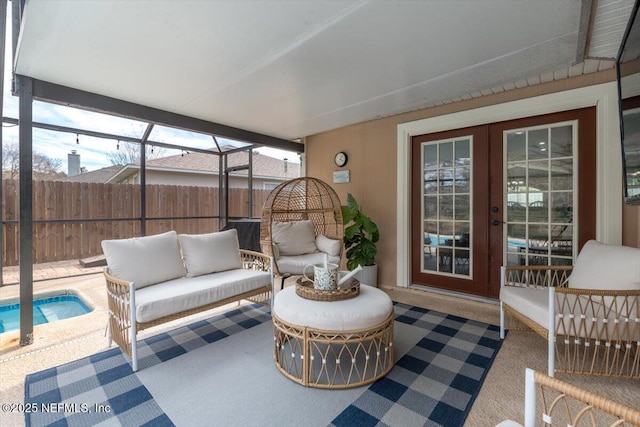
{"x": 603, "y": 266}
{"x": 294, "y": 237}
{"x": 210, "y": 253}
{"x": 145, "y": 260}
{"x": 327, "y": 245}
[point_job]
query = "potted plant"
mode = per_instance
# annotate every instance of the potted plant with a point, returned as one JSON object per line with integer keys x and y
{"x": 360, "y": 237}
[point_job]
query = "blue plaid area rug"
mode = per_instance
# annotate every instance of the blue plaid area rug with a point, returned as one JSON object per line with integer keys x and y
{"x": 433, "y": 383}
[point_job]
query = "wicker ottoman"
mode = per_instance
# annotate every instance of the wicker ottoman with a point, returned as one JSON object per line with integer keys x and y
{"x": 337, "y": 344}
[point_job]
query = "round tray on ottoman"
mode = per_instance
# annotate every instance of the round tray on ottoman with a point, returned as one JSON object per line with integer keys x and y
{"x": 305, "y": 289}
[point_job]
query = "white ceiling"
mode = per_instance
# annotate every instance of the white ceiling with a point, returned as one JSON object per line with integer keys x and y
{"x": 294, "y": 68}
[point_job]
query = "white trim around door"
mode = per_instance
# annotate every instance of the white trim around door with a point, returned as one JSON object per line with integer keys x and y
{"x": 608, "y": 156}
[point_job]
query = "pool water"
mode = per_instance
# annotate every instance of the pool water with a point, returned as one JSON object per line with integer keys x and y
{"x": 45, "y": 310}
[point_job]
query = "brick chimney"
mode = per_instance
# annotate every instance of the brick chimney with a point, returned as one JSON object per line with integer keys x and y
{"x": 73, "y": 163}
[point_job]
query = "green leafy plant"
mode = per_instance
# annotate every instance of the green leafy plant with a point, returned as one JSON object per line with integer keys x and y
{"x": 360, "y": 236}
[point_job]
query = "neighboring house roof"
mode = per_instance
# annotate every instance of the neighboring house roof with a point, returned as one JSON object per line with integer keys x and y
{"x": 97, "y": 176}
{"x": 263, "y": 166}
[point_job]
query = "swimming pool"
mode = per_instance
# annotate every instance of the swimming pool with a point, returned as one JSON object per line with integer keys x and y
{"x": 45, "y": 309}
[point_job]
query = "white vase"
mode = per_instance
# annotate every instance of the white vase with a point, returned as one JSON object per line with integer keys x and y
{"x": 368, "y": 275}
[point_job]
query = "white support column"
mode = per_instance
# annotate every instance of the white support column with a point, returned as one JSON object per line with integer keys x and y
{"x": 529, "y": 399}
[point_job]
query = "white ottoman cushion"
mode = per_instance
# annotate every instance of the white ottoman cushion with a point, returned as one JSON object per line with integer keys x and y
{"x": 368, "y": 309}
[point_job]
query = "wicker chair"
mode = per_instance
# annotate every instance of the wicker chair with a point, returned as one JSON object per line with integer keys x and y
{"x": 589, "y": 313}
{"x": 564, "y": 404}
{"x": 301, "y": 199}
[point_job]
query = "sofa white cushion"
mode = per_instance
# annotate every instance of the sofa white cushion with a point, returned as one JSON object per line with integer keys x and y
{"x": 327, "y": 245}
{"x": 294, "y": 237}
{"x": 175, "y": 296}
{"x": 296, "y": 264}
{"x": 602, "y": 266}
{"x": 370, "y": 308}
{"x": 145, "y": 260}
{"x": 209, "y": 253}
{"x": 531, "y": 302}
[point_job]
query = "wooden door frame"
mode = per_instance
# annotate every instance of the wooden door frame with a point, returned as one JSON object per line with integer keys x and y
{"x": 608, "y": 164}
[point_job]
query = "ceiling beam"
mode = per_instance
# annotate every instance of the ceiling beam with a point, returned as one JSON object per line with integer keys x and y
{"x": 587, "y": 16}
{"x": 51, "y": 92}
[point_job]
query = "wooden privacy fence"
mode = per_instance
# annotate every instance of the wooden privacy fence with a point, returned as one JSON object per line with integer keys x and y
{"x": 83, "y": 214}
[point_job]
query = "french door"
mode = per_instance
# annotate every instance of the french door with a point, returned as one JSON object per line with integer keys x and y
{"x": 518, "y": 192}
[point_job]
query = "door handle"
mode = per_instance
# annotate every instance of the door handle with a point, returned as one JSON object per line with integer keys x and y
{"x": 497, "y": 222}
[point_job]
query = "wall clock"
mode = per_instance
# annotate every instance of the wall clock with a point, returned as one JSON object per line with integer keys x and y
{"x": 340, "y": 159}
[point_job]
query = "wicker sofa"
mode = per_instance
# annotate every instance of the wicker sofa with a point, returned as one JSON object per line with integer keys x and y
{"x": 155, "y": 279}
{"x": 589, "y": 313}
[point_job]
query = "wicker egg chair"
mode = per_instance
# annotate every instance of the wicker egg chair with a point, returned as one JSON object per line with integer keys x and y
{"x": 298, "y": 200}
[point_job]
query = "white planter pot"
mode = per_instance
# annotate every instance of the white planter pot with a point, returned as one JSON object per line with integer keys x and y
{"x": 368, "y": 275}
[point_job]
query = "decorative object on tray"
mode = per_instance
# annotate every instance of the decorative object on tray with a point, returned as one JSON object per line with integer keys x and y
{"x": 325, "y": 276}
{"x": 305, "y": 289}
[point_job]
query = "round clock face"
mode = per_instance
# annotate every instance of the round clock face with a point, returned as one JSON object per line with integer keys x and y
{"x": 340, "y": 159}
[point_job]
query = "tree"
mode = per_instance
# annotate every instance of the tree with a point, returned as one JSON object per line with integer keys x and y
{"x": 43, "y": 165}
{"x": 129, "y": 153}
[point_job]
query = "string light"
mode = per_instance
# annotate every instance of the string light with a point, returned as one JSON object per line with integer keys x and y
{"x": 118, "y": 145}
{"x": 77, "y": 139}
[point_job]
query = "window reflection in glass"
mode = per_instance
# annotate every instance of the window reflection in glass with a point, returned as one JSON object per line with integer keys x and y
{"x": 562, "y": 141}
{"x": 562, "y": 174}
{"x": 538, "y": 144}
{"x": 516, "y": 146}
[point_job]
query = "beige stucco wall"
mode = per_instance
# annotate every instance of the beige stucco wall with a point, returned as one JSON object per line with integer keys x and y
{"x": 372, "y": 148}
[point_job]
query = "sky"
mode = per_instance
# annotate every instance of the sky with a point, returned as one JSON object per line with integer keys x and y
{"x": 94, "y": 152}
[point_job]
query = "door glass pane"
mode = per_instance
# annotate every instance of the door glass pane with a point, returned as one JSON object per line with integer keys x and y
{"x": 463, "y": 207}
{"x": 538, "y": 143}
{"x": 516, "y": 146}
{"x": 431, "y": 207}
{"x": 540, "y": 195}
{"x": 430, "y": 153}
{"x": 561, "y": 141}
{"x": 562, "y": 174}
{"x": 447, "y": 207}
{"x": 463, "y": 155}
{"x": 446, "y": 154}
{"x": 446, "y": 180}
